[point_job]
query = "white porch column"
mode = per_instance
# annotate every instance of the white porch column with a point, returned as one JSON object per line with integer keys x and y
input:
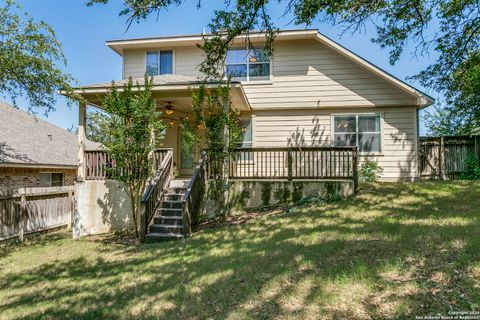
{"x": 82, "y": 123}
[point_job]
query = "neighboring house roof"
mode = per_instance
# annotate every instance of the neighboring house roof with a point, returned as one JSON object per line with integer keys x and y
{"x": 186, "y": 40}
{"x": 26, "y": 140}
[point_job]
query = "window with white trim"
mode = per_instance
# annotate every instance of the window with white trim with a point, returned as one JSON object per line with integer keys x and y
{"x": 248, "y": 65}
{"x": 246, "y": 139}
{"x": 362, "y": 130}
{"x": 247, "y": 132}
{"x": 51, "y": 179}
{"x": 159, "y": 62}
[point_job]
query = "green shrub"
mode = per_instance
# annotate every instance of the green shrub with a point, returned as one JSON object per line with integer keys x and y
{"x": 472, "y": 168}
{"x": 369, "y": 171}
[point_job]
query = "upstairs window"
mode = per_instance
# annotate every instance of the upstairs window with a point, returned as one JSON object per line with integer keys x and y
{"x": 159, "y": 62}
{"x": 248, "y": 65}
{"x": 362, "y": 130}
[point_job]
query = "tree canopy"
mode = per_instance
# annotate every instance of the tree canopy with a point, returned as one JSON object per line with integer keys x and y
{"x": 29, "y": 54}
{"x": 451, "y": 28}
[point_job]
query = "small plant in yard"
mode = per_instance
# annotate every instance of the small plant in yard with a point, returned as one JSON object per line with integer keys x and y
{"x": 472, "y": 168}
{"x": 369, "y": 171}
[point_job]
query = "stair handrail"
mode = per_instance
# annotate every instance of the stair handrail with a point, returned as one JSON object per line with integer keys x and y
{"x": 193, "y": 196}
{"x": 153, "y": 193}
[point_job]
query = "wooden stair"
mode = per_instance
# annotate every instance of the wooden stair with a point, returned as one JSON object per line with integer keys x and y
{"x": 168, "y": 218}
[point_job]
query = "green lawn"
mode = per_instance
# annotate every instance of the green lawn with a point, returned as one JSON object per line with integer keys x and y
{"x": 392, "y": 251}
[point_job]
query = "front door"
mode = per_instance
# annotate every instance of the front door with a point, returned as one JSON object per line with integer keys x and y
{"x": 187, "y": 156}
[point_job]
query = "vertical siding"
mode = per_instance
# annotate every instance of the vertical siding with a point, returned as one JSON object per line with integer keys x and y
{"x": 313, "y": 128}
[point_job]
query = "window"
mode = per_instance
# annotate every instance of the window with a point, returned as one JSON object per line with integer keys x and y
{"x": 246, "y": 139}
{"x": 159, "y": 62}
{"x": 50, "y": 179}
{"x": 362, "y": 130}
{"x": 247, "y": 133}
{"x": 247, "y": 65}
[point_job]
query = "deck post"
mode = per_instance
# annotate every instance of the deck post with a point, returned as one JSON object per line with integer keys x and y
{"x": 441, "y": 175}
{"x": 290, "y": 164}
{"x": 355, "y": 168}
{"x": 82, "y": 122}
{"x": 23, "y": 216}
{"x": 143, "y": 222}
{"x": 476, "y": 143}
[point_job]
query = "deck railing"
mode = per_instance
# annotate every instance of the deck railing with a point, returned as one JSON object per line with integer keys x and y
{"x": 99, "y": 164}
{"x": 154, "y": 191}
{"x": 308, "y": 163}
{"x": 194, "y": 195}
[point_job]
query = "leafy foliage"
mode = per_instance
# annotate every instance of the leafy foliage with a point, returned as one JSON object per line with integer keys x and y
{"x": 29, "y": 52}
{"x": 133, "y": 123}
{"x": 369, "y": 171}
{"x": 472, "y": 168}
{"x": 214, "y": 115}
{"x": 461, "y": 116}
{"x": 97, "y": 126}
{"x": 455, "y": 35}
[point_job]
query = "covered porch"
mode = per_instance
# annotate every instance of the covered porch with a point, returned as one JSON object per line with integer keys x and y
{"x": 173, "y": 96}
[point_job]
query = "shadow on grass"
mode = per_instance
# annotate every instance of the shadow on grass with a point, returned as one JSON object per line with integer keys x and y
{"x": 329, "y": 262}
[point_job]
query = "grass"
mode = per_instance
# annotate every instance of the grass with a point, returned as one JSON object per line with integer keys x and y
{"x": 392, "y": 251}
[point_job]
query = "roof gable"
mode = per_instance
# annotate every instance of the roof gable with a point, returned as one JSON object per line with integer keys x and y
{"x": 421, "y": 98}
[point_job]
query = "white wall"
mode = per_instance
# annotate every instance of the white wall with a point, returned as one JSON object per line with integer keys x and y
{"x": 102, "y": 206}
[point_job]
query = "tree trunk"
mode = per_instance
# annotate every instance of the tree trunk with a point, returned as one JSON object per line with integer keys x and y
{"x": 226, "y": 155}
{"x": 133, "y": 202}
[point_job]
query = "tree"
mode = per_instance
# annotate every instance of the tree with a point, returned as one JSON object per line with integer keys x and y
{"x": 134, "y": 130}
{"x": 29, "y": 52}
{"x": 97, "y": 126}
{"x": 455, "y": 34}
{"x": 461, "y": 115}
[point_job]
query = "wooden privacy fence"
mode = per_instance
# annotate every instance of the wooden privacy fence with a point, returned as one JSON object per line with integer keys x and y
{"x": 308, "y": 163}
{"x": 99, "y": 165}
{"x": 444, "y": 157}
{"x": 29, "y": 210}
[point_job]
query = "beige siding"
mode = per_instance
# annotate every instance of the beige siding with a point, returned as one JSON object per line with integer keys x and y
{"x": 306, "y": 74}
{"x": 310, "y": 82}
{"x": 134, "y": 63}
{"x": 313, "y": 128}
{"x": 186, "y": 61}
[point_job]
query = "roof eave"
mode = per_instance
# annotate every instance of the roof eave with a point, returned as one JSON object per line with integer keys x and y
{"x": 185, "y": 40}
{"x": 37, "y": 165}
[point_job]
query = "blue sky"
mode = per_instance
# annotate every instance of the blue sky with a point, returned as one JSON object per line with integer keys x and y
{"x": 84, "y": 30}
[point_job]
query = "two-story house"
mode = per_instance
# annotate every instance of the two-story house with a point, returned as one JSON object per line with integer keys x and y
{"x": 311, "y": 92}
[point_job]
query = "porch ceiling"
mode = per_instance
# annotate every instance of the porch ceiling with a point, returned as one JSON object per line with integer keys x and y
{"x": 173, "y": 88}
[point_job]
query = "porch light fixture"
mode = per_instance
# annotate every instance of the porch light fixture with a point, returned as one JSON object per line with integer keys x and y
{"x": 169, "y": 108}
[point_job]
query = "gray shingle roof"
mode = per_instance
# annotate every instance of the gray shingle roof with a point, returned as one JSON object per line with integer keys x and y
{"x": 28, "y": 140}
{"x": 160, "y": 80}
{"x": 164, "y": 79}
